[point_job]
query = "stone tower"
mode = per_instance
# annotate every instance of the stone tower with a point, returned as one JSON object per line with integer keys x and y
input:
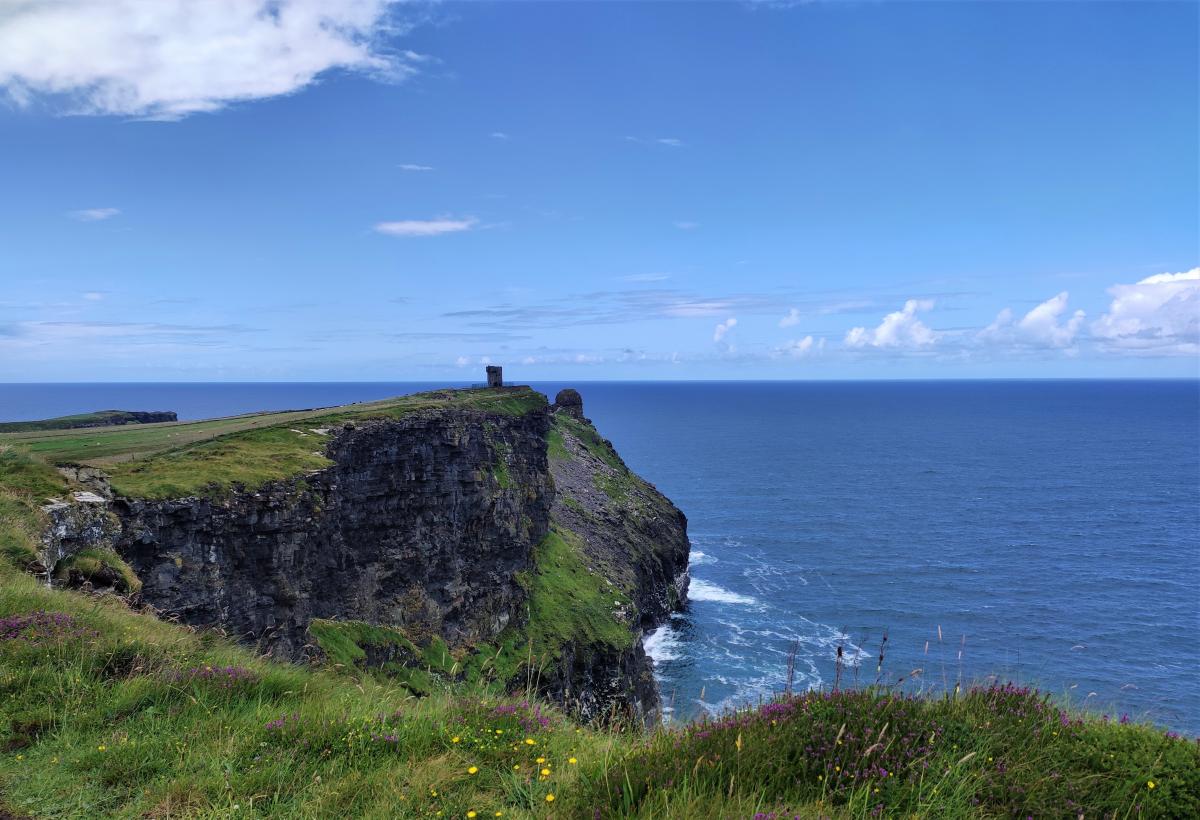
{"x": 495, "y": 375}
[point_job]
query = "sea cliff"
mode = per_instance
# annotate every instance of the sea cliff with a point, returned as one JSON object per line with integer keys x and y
{"x": 509, "y": 543}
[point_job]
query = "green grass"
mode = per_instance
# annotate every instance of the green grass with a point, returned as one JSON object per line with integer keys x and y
{"x": 567, "y": 603}
{"x": 174, "y": 460}
{"x": 992, "y": 752}
{"x": 116, "y": 714}
{"x": 587, "y": 435}
{"x": 95, "y": 565}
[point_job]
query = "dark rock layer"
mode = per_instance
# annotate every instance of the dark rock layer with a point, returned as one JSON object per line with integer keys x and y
{"x": 421, "y": 522}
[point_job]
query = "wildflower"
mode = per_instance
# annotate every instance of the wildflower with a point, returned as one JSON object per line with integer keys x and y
{"x": 572, "y": 761}
{"x": 472, "y": 769}
{"x": 530, "y": 741}
{"x": 20, "y": 757}
{"x": 1149, "y": 784}
{"x": 545, "y": 772}
{"x": 499, "y": 731}
{"x": 101, "y": 748}
{"x": 549, "y": 798}
{"x": 471, "y": 813}
{"x": 541, "y": 760}
{"x": 454, "y": 739}
{"x": 517, "y": 767}
{"x": 499, "y": 814}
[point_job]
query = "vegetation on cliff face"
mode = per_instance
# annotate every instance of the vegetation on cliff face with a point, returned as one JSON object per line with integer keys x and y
{"x": 109, "y": 712}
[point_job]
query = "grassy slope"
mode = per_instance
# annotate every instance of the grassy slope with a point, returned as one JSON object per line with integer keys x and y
{"x": 179, "y": 459}
{"x": 117, "y": 714}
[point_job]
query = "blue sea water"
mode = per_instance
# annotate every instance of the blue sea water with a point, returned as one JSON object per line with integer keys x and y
{"x": 1048, "y": 531}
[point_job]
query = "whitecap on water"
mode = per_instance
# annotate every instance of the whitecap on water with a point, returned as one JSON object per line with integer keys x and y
{"x": 701, "y": 590}
{"x": 696, "y": 558}
{"x": 662, "y": 644}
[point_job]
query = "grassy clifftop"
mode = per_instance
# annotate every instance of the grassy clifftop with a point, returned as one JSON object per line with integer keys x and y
{"x": 184, "y": 458}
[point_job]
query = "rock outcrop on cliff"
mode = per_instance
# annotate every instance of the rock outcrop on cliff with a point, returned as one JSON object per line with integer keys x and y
{"x": 511, "y": 546}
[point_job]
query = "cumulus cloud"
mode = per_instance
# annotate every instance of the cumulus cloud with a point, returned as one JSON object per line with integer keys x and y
{"x": 899, "y": 330}
{"x": 166, "y": 59}
{"x": 791, "y": 320}
{"x": 94, "y": 214}
{"x": 408, "y": 166}
{"x": 425, "y": 227}
{"x": 800, "y": 348}
{"x": 722, "y": 329}
{"x": 1044, "y": 326}
{"x": 1157, "y": 315}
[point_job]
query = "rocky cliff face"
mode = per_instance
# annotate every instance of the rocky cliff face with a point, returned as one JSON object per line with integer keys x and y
{"x": 431, "y": 524}
{"x": 421, "y": 523}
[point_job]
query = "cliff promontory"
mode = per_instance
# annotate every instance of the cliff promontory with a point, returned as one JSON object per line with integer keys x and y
{"x": 477, "y": 535}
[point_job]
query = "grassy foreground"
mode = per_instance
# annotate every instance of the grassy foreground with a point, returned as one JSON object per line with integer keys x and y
{"x": 107, "y": 712}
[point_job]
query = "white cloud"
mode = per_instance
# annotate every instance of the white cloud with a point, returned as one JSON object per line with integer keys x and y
{"x": 166, "y": 59}
{"x": 425, "y": 227}
{"x": 898, "y": 330}
{"x": 462, "y": 361}
{"x": 800, "y": 348}
{"x": 94, "y": 295}
{"x": 684, "y": 225}
{"x": 485, "y": 359}
{"x": 670, "y": 141}
{"x": 528, "y": 360}
{"x": 94, "y": 214}
{"x": 408, "y": 166}
{"x": 1045, "y": 326}
{"x": 500, "y": 135}
{"x": 1157, "y": 315}
{"x": 1041, "y": 325}
{"x": 791, "y": 320}
{"x": 723, "y": 328}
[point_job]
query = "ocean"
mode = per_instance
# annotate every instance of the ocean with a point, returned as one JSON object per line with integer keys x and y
{"x": 1045, "y": 532}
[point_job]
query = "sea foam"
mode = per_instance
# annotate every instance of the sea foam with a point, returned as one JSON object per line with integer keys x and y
{"x": 701, "y": 590}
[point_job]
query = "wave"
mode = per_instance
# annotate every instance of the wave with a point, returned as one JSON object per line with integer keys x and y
{"x": 662, "y": 644}
{"x": 696, "y": 558}
{"x": 701, "y": 590}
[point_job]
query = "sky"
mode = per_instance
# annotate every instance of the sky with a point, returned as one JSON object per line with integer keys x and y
{"x": 371, "y": 190}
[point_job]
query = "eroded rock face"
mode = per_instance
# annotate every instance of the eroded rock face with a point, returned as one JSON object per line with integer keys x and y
{"x": 422, "y": 522}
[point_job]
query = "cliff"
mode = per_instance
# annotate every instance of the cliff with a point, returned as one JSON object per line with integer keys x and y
{"x": 100, "y": 418}
{"x": 476, "y": 535}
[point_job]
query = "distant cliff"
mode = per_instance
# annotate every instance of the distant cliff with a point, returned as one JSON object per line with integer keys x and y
{"x": 100, "y": 418}
{"x": 513, "y": 545}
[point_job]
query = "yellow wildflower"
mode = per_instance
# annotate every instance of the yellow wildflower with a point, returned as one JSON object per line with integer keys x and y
{"x": 529, "y": 741}
{"x": 545, "y": 772}
{"x": 472, "y": 769}
{"x": 1149, "y": 784}
{"x": 572, "y": 761}
{"x": 541, "y": 760}
{"x": 101, "y": 748}
{"x": 471, "y": 813}
{"x": 454, "y": 739}
{"x": 549, "y": 798}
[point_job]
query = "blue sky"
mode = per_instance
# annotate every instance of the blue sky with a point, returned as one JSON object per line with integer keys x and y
{"x": 371, "y": 190}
